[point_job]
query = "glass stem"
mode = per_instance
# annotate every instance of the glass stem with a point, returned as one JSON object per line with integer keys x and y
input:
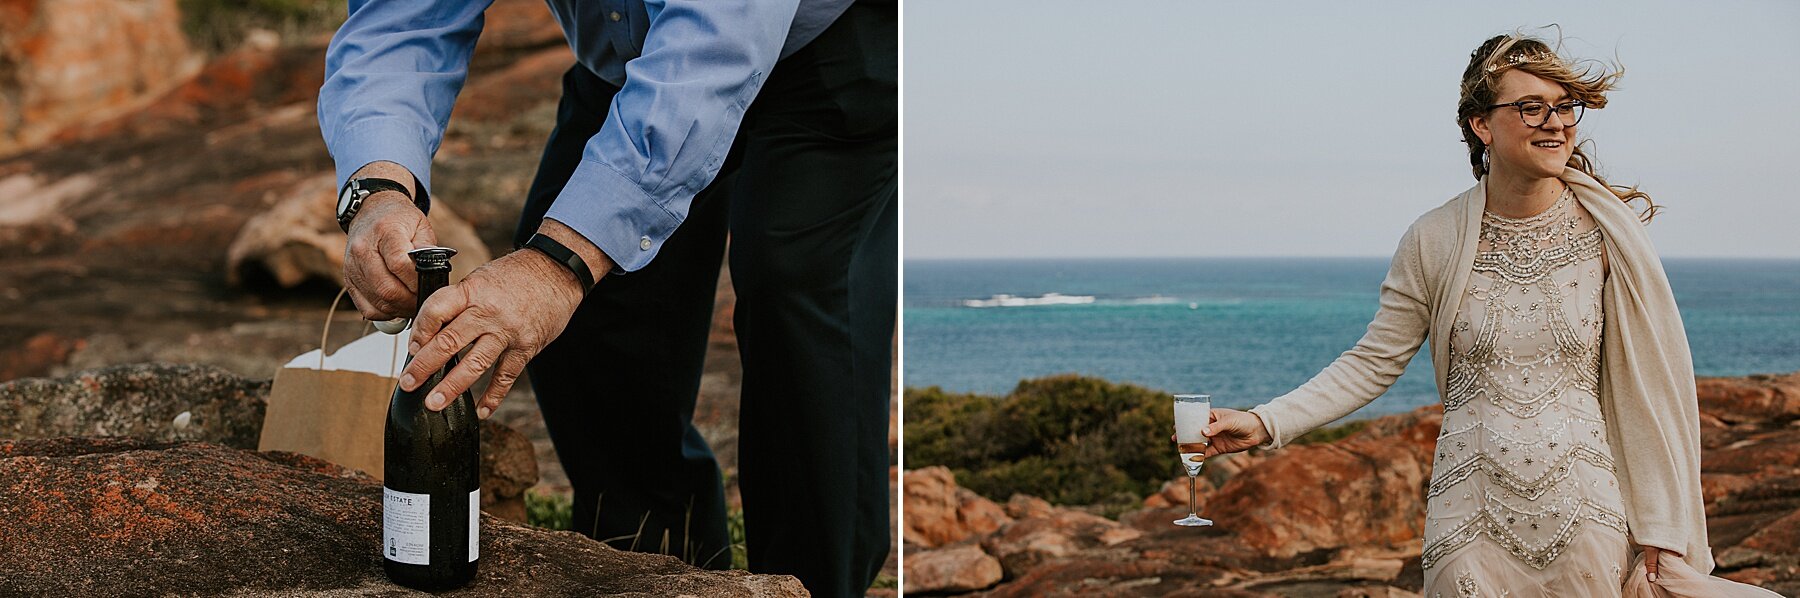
{"x": 1192, "y": 512}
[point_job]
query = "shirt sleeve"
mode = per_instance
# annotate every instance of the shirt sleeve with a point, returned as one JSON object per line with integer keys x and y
{"x": 1368, "y": 369}
{"x": 392, "y": 73}
{"x": 671, "y": 124}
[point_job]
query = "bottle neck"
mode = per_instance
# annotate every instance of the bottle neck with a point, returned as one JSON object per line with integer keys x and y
{"x": 430, "y": 281}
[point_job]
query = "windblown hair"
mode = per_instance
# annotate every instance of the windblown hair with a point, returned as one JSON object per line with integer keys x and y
{"x": 1586, "y": 80}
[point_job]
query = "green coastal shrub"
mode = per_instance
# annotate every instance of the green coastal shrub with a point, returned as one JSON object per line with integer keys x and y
{"x": 216, "y": 26}
{"x": 1068, "y": 439}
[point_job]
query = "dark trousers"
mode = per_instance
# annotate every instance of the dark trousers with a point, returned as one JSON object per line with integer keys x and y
{"x": 809, "y": 197}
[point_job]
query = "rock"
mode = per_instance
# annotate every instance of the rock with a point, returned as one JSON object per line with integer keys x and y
{"x": 1754, "y": 399}
{"x": 1376, "y": 592}
{"x": 139, "y": 401}
{"x": 518, "y": 24}
{"x": 1174, "y": 493}
{"x": 111, "y": 516}
{"x": 144, "y": 401}
{"x": 1021, "y": 506}
{"x": 959, "y": 568}
{"x": 70, "y": 61}
{"x": 1041, "y": 533}
{"x": 1369, "y": 488}
{"x": 1091, "y": 576}
{"x": 1345, "y": 518}
{"x": 939, "y": 513}
{"x": 37, "y": 355}
{"x": 297, "y": 240}
{"x": 508, "y": 468}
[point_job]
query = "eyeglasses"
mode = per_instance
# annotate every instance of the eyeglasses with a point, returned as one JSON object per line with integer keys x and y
{"x": 1532, "y": 110}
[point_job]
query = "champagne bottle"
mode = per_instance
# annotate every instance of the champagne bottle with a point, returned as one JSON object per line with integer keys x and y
{"x": 431, "y": 486}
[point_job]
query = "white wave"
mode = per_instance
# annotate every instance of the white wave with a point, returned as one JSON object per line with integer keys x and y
{"x": 1152, "y": 300}
{"x": 1005, "y": 300}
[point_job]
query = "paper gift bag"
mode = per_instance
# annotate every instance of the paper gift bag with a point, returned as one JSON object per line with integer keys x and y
{"x": 335, "y": 407}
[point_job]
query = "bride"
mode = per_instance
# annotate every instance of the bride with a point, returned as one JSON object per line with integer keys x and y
{"x": 1569, "y": 459}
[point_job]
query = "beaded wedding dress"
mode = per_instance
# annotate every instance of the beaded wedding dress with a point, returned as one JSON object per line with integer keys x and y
{"x": 1524, "y": 500}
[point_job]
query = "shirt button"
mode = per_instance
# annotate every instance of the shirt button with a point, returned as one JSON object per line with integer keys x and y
{"x": 644, "y": 243}
{"x": 614, "y": 16}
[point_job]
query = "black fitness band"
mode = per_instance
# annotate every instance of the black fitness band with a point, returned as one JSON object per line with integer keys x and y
{"x": 564, "y": 256}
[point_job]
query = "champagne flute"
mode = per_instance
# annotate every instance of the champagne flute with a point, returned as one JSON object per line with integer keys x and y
{"x": 1192, "y": 414}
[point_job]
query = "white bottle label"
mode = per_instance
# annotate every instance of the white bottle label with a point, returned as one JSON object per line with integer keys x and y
{"x": 406, "y": 527}
{"x": 474, "y": 524}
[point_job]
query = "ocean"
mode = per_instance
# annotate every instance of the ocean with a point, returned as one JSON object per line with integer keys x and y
{"x": 1249, "y": 329}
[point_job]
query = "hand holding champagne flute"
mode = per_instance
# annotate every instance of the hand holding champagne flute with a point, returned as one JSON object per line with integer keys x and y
{"x": 1192, "y": 415}
{"x": 1232, "y": 431}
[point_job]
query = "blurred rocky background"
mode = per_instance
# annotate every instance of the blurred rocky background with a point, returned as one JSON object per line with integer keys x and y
{"x": 166, "y": 236}
{"x": 1068, "y": 486}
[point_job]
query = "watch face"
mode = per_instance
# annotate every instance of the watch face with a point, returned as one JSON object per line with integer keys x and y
{"x": 344, "y": 200}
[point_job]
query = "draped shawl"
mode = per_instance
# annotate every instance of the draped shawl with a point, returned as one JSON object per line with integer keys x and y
{"x": 1647, "y": 393}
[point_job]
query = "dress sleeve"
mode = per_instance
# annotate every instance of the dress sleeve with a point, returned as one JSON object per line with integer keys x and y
{"x": 1368, "y": 369}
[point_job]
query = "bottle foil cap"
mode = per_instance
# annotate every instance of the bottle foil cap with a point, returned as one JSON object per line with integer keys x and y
{"x": 431, "y": 258}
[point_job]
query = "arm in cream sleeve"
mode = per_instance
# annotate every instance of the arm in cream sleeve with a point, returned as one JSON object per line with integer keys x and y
{"x": 1366, "y": 370}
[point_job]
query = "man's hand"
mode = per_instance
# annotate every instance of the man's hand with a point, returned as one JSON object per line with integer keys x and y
{"x": 507, "y": 310}
{"x": 377, "y": 272}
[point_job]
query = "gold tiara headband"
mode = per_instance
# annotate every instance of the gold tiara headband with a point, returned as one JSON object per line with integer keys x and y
{"x": 1518, "y": 59}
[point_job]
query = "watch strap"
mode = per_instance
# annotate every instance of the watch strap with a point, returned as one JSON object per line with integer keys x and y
{"x": 367, "y": 186}
{"x": 565, "y": 256}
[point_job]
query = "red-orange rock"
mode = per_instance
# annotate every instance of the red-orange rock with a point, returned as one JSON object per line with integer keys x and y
{"x": 37, "y": 355}
{"x": 71, "y": 61}
{"x": 1042, "y": 534}
{"x": 959, "y": 568}
{"x": 114, "y": 517}
{"x": 1174, "y": 493}
{"x": 1760, "y": 398}
{"x": 1092, "y": 576}
{"x": 1022, "y": 506}
{"x": 938, "y": 512}
{"x": 1345, "y": 518}
{"x": 1368, "y": 488}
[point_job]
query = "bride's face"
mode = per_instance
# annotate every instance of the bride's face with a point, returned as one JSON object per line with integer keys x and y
{"x": 1515, "y": 146}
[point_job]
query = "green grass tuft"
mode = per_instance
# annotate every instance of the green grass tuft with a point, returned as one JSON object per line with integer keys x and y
{"x": 549, "y": 511}
{"x": 734, "y": 524}
{"x": 215, "y": 26}
{"x": 1332, "y": 434}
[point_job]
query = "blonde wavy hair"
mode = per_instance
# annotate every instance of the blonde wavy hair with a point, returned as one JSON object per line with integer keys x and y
{"x": 1587, "y": 81}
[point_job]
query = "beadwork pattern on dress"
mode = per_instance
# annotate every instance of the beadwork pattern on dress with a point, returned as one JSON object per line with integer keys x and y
{"x": 1522, "y": 460}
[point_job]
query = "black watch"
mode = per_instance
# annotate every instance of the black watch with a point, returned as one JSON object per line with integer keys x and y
{"x": 356, "y": 190}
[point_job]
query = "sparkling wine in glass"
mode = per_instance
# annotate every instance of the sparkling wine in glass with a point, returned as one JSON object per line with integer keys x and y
{"x": 1192, "y": 413}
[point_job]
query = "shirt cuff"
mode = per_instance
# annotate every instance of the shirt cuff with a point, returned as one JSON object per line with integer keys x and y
{"x": 376, "y": 140}
{"x": 615, "y": 214}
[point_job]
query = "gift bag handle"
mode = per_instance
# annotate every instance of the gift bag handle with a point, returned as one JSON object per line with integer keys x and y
{"x": 325, "y": 333}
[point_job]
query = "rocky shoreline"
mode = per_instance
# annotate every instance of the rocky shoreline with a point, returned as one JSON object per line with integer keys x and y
{"x": 1343, "y": 518}
{"x": 112, "y": 516}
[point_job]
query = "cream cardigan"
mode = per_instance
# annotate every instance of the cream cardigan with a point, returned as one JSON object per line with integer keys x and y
{"x": 1647, "y": 375}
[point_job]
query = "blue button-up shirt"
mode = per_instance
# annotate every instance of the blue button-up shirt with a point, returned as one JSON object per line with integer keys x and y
{"x": 686, "y": 69}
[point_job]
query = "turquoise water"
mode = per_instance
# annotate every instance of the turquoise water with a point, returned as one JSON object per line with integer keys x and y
{"x": 1247, "y": 329}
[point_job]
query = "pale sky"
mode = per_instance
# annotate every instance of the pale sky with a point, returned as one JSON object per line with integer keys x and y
{"x": 1048, "y": 128}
